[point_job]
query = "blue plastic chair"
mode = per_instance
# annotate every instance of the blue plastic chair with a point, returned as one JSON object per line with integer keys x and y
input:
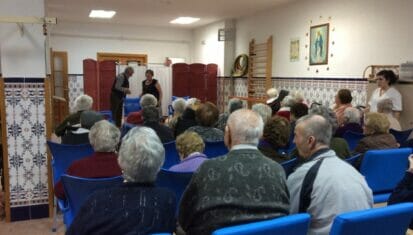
{"x": 126, "y": 127}
{"x": 175, "y": 181}
{"x": 107, "y": 114}
{"x": 401, "y": 136}
{"x": 77, "y": 191}
{"x": 352, "y": 138}
{"x": 171, "y": 155}
{"x": 215, "y": 149}
{"x": 383, "y": 169}
{"x": 63, "y": 156}
{"x": 289, "y": 166}
{"x": 353, "y": 159}
{"x": 131, "y": 105}
{"x": 288, "y": 225}
{"x": 388, "y": 220}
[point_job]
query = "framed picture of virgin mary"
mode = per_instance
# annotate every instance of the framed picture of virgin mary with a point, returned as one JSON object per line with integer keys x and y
{"x": 319, "y": 44}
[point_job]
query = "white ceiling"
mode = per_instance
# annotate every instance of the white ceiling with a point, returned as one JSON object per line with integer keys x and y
{"x": 157, "y": 12}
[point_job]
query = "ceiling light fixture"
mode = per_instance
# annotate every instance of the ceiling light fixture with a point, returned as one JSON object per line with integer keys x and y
{"x": 101, "y": 14}
{"x": 184, "y": 20}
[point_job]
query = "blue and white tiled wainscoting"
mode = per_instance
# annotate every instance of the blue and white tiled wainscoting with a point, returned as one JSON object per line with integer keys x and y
{"x": 26, "y": 145}
{"x": 75, "y": 88}
{"x": 321, "y": 90}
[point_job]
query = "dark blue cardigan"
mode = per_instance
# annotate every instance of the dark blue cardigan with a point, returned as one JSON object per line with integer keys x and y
{"x": 130, "y": 209}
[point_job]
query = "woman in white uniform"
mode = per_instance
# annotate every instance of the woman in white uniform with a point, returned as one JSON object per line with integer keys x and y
{"x": 385, "y": 79}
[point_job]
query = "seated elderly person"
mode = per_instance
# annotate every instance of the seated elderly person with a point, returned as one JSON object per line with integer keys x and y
{"x": 240, "y": 187}
{"x": 190, "y": 147}
{"x": 82, "y": 103}
{"x": 376, "y": 130}
{"x": 297, "y": 111}
{"x": 343, "y": 100}
{"x": 263, "y": 110}
{"x": 178, "y": 106}
{"x": 351, "y": 122}
{"x": 104, "y": 138}
{"x": 81, "y": 135}
{"x": 385, "y": 106}
{"x": 275, "y": 99}
{"x": 150, "y": 116}
{"x": 404, "y": 190}
{"x": 188, "y": 118}
{"x": 145, "y": 101}
{"x": 286, "y": 105}
{"x": 324, "y": 185}
{"x": 276, "y": 135}
{"x": 339, "y": 145}
{"x": 207, "y": 116}
{"x": 138, "y": 207}
{"x": 233, "y": 105}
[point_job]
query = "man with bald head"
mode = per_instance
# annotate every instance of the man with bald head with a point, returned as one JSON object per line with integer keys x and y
{"x": 240, "y": 187}
{"x": 324, "y": 185}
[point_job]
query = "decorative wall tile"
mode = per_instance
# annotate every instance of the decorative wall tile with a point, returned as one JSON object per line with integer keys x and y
{"x": 75, "y": 88}
{"x": 26, "y": 142}
{"x": 314, "y": 90}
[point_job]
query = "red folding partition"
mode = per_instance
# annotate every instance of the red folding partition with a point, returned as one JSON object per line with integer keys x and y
{"x": 90, "y": 81}
{"x": 107, "y": 74}
{"x": 97, "y": 81}
{"x": 195, "y": 80}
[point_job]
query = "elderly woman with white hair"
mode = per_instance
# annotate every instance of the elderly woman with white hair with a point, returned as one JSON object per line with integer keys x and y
{"x": 188, "y": 117}
{"x": 146, "y": 100}
{"x": 104, "y": 138}
{"x": 263, "y": 110}
{"x": 385, "y": 106}
{"x": 178, "y": 106}
{"x": 82, "y": 103}
{"x": 137, "y": 207}
{"x": 351, "y": 122}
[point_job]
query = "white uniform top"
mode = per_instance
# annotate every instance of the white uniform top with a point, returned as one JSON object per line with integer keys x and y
{"x": 391, "y": 93}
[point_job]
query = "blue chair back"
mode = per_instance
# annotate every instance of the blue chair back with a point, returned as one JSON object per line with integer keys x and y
{"x": 288, "y": 225}
{"x": 352, "y": 139}
{"x": 126, "y": 127}
{"x": 107, "y": 114}
{"x": 384, "y": 168}
{"x": 401, "y": 136}
{"x": 289, "y": 166}
{"x": 64, "y": 155}
{"x": 215, "y": 149}
{"x": 171, "y": 155}
{"x": 389, "y": 220}
{"x": 175, "y": 181}
{"x": 77, "y": 191}
{"x": 353, "y": 159}
{"x": 131, "y": 105}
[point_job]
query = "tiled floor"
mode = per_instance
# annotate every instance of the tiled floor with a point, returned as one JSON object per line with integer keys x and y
{"x": 32, "y": 227}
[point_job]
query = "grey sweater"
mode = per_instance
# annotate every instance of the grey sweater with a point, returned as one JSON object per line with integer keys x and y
{"x": 240, "y": 187}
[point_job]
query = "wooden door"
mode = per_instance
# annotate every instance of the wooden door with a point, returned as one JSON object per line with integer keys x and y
{"x": 60, "y": 87}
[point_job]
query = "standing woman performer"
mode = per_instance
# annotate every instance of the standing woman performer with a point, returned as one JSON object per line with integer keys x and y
{"x": 385, "y": 79}
{"x": 120, "y": 89}
{"x": 152, "y": 86}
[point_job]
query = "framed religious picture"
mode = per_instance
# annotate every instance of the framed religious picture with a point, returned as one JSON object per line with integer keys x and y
{"x": 294, "y": 50}
{"x": 319, "y": 44}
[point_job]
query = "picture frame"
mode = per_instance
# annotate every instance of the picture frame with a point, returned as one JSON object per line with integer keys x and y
{"x": 319, "y": 41}
{"x": 294, "y": 50}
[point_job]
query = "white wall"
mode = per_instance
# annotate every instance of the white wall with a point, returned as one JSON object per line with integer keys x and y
{"x": 206, "y": 48}
{"x": 22, "y": 55}
{"x": 84, "y": 40}
{"x": 366, "y": 32}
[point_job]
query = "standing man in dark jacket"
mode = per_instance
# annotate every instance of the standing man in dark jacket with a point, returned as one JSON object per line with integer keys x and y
{"x": 120, "y": 89}
{"x": 240, "y": 187}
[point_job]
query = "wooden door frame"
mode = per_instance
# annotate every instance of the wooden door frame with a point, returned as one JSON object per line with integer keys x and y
{"x": 123, "y": 58}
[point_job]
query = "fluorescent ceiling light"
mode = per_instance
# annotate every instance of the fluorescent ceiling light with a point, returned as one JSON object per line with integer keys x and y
{"x": 184, "y": 20}
{"x": 101, "y": 14}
